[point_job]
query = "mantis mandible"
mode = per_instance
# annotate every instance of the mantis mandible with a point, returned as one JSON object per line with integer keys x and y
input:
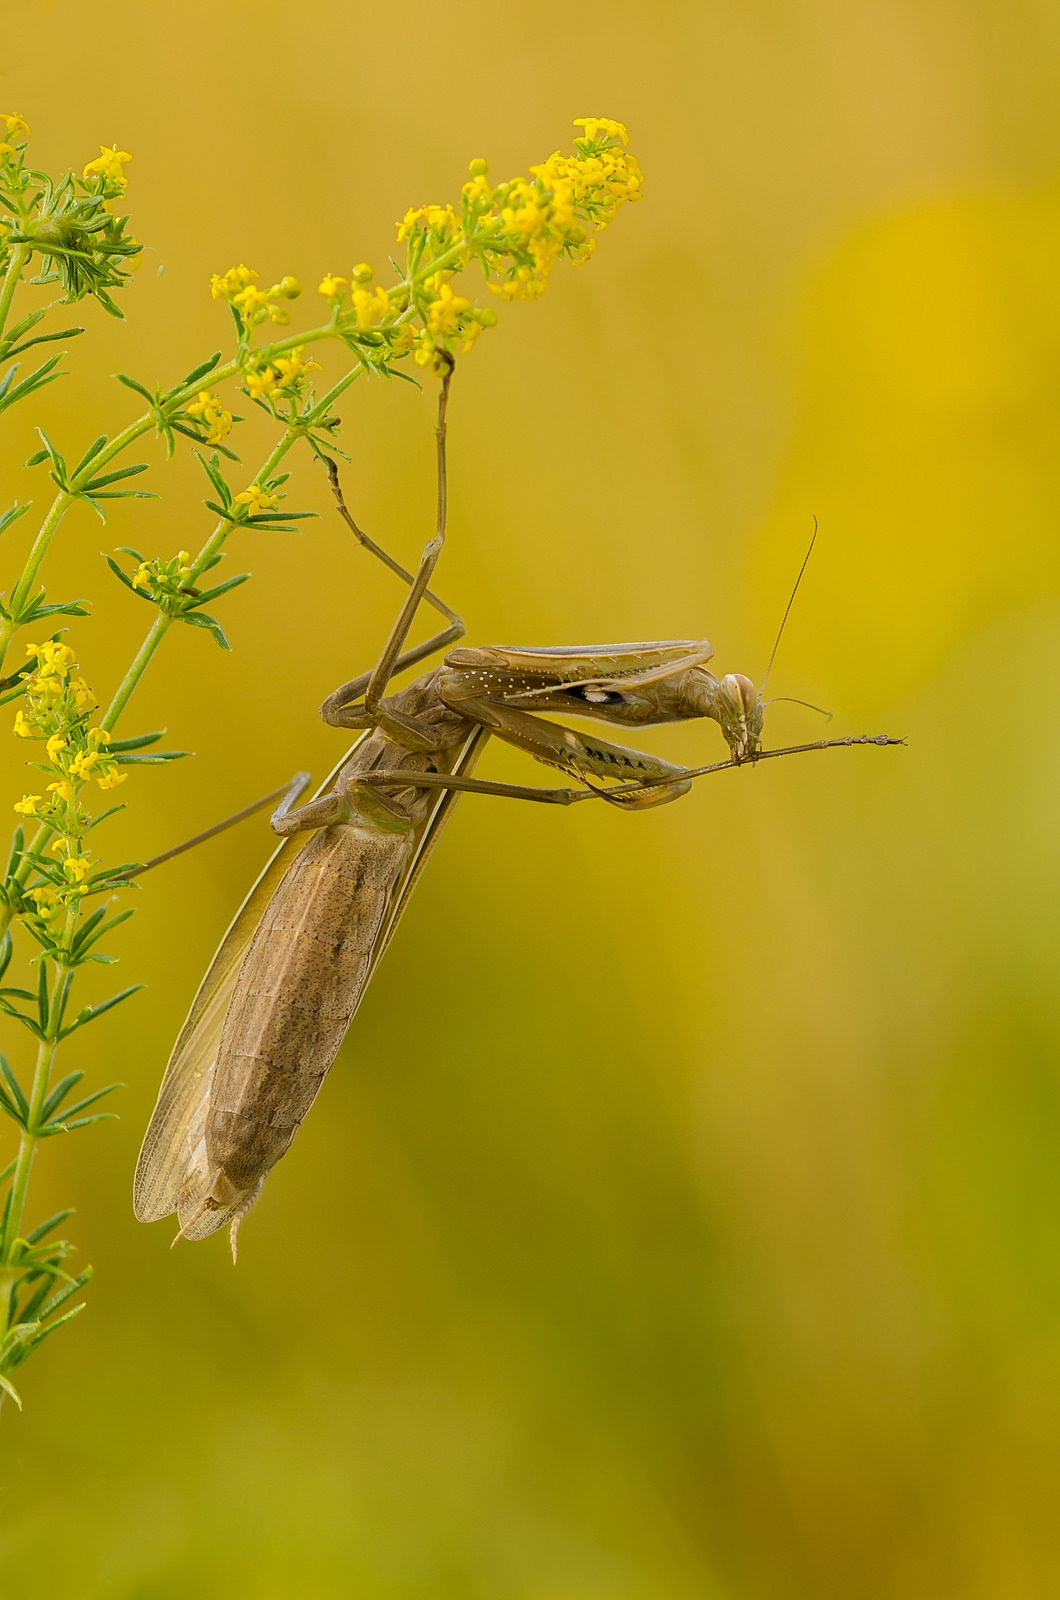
{"x": 271, "y": 1012}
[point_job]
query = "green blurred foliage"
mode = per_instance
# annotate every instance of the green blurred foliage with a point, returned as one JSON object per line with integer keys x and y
{"x": 680, "y": 1219}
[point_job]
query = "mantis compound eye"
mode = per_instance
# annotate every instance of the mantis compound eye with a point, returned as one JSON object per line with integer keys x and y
{"x": 740, "y": 692}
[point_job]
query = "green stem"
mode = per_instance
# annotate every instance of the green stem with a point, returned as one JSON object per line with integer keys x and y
{"x": 155, "y": 634}
{"x": 39, "y": 549}
{"x": 41, "y": 1078}
{"x": 19, "y": 256}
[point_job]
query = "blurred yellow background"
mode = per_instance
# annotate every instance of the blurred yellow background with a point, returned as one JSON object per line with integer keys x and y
{"x": 682, "y": 1218}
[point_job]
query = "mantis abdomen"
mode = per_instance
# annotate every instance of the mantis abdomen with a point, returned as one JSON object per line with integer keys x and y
{"x": 296, "y": 992}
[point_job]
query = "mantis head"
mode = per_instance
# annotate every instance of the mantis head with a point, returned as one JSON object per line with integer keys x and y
{"x": 740, "y": 715}
{"x": 733, "y": 703}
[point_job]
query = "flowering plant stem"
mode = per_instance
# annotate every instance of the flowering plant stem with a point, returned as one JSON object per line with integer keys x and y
{"x": 515, "y": 231}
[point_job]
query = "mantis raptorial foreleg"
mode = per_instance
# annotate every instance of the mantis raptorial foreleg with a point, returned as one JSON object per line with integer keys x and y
{"x": 577, "y": 753}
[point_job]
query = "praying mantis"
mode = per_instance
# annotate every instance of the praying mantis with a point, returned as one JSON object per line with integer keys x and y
{"x": 272, "y": 1010}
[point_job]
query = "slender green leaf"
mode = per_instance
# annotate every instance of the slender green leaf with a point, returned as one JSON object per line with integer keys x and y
{"x": 199, "y": 619}
{"x": 115, "y": 477}
{"x": 42, "y": 1228}
{"x": 61, "y": 1089}
{"x": 43, "y": 338}
{"x": 90, "y": 934}
{"x": 90, "y": 1013}
{"x": 221, "y": 588}
{"x": 90, "y": 455}
{"x": 9, "y": 1388}
{"x": 136, "y": 743}
{"x": 123, "y": 577}
{"x": 13, "y": 514}
{"x": 14, "y": 1086}
{"x": 42, "y": 996}
{"x": 131, "y": 383}
{"x": 200, "y": 371}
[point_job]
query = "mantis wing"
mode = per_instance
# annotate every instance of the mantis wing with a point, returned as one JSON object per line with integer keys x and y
{"x": 178, "y": 1122}
{"x": 172, "y": 1163}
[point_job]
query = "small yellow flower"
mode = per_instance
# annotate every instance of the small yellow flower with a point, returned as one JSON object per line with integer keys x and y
{"x": 23, "y": 727}
{"x": 228, "y": 284}
{"x": 331, "y": 286}
{"x": 291, "y": 369}
{"x": 403, "y": 338}
{"x": 256, "y": 500}
{"x": 409, "y": 222}
{"x": 82, "y": 764}
{"x": 219, "y": 421}
{"x": 593, "y": 125}
{"x": 63, "y": 790}
{"x": 478, "y": 188}
{"x": 443, "y": 219}
{"x": 51, "y": 655}
{"x": 249, "y": 301}
{"x": 109, "y": 164}
{"x": 84, "y": 699}
{"x": 77, "y": 868}
{"x": 97, "y": 736}
{"x": 111, "y": 780}
{"x": 446, "y": 310}
{"x": 143, "y": 575}
{"x": 260, "y": 382}
{"x": 27, "y": 806}
{"x": 429, "y": 355}
{"x": 17, "y": 127}
{"x": 369, "y": 305}
{"x": 56, "y": 743}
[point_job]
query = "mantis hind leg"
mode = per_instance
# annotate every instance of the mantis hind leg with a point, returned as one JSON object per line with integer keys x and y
{"x": 287, "y": 795}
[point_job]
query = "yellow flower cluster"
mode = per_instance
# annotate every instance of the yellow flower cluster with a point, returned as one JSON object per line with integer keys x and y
{"x": 15, "y": 127}
{"x": 515, "y": 230}
{"x": 56, "y": 708}
{"x": 284, "y": 375}
{"x": 369, "y": 306}
{"x": 108, "y": 166}
{"x": 441, "y": 221}
{"x": 213, "y": 416}
{"x": 551, "y": 214}
{"x": 519, "y": 228}
{"x": 447, "y": 317}
{"x": 254, "y": 305}
{"x": 52, "y": 897}
{"x": 164, "y": 580}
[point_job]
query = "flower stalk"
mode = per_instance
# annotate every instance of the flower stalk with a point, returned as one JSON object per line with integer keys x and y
{"x": 56, "y": 895}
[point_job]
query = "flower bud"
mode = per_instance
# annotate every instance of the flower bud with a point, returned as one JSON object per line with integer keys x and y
{"x": 478, "y": 168}
{"x": 362, "y": 273}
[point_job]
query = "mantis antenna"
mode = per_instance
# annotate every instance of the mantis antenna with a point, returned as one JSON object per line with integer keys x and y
{"x": 787, "y": 609}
